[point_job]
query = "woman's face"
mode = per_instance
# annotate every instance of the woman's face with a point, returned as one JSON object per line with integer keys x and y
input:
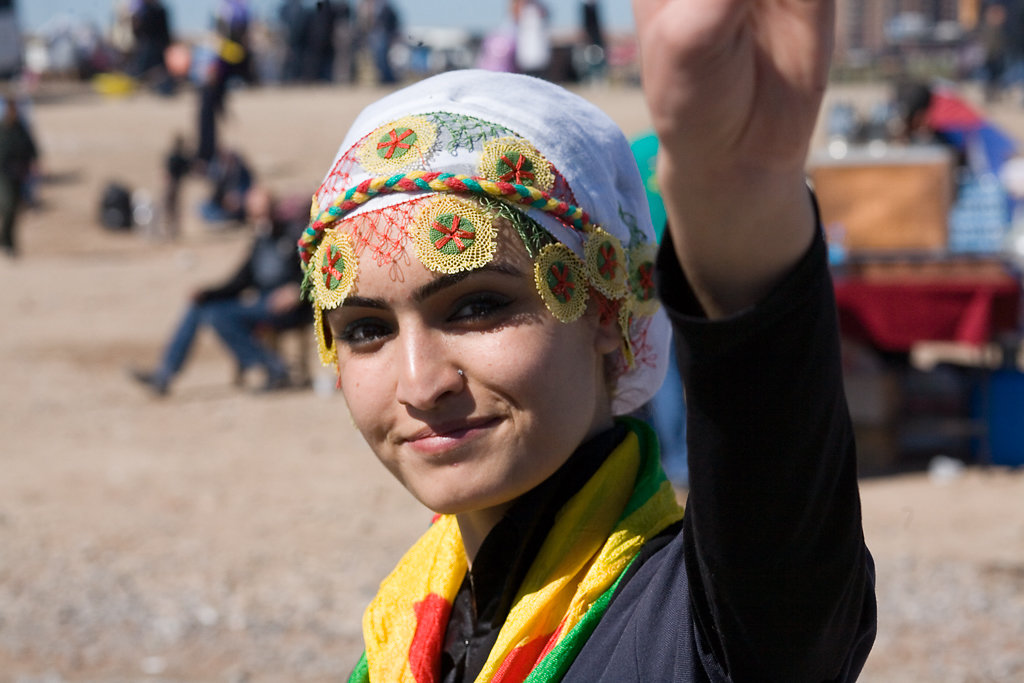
{"x": 531, "y": 388}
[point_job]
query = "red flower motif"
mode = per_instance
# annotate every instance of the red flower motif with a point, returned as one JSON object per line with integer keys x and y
{"x": 517, "y": 174}
{"x": 563, "y": 287}
{"x": 454, "y": 233}
{"x": 645, "y": 274}
{"x": 610, "y": 261}
{"x": 394, "y": 142}
{"x": 328, "y": 268}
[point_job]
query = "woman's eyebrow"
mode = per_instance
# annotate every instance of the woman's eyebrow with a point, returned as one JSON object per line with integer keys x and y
{"x": 433, "y": 287}
{"x": 363, "y": 302}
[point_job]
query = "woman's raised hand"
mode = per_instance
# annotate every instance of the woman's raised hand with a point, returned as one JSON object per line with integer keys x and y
{"x": 734, "y": 88}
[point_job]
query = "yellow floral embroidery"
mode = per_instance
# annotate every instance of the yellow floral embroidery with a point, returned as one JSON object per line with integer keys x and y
{"x": 514, "y": 160}
{"x": 398, "y": 145}
{"x": 454, "y": 235}
{"x": 641, "y": 278}
{"x": 561, "y": 280}
{"x": 606, "y": 263}
{"x": 332, "y": 269}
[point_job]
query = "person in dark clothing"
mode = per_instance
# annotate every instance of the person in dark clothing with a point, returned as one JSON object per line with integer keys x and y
{"x": 230, "y": 179}
{"x": 344, "y": 43}
{"x": 483, "y": 272}
{"x": 379, "y": 26}
{"x": 294, "y": 18}
{"x": 232, "y": 22}
{"x": 18, "y": 153}
{"x": 152, "y": 38}
{"x": 212, "y": 94}
{"x": 263, "y": 291}
{"x": 592, "y": 28}
{"x": 319, "y": 57}
{"x": 994, "y": 42}
{"x": 177, "y": 165}
{"x": 594, "y": 57}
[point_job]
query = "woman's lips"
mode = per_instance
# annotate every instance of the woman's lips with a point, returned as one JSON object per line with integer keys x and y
{"x": 447, "y": 436}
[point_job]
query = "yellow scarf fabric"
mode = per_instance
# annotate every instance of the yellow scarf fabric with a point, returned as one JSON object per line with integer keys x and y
{"x": 595, "y": 536}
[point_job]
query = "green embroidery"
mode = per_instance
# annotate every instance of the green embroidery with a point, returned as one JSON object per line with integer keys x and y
{"x": 451, "y": 234}
{"x": 642, "y": 281}
{"x": 533, "y": 236}
{"x": 636, "y": 236}
{"x": 561, "y": 281}
{"x": 465, "y": 132}
{"x": 332, "y": 267}
{"x": 514, "y": 167}
{"x": 396, "y": 143}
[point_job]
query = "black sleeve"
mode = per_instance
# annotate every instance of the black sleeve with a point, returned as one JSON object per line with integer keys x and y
{"x": 781, "y": 583}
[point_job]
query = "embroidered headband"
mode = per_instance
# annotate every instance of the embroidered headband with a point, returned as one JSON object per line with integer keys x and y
{"x": 434, "y": 164}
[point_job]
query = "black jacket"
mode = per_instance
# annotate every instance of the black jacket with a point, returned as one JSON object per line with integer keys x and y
{"x": 767, "y": 577}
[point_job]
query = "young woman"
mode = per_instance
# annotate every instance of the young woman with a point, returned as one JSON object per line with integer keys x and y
{"x": 481, "y": 263}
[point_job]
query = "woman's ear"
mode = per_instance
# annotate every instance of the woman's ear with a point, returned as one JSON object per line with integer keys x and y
{"x": 608, "y": 335}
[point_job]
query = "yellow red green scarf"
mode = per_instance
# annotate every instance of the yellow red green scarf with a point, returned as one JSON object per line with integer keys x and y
{"x": 596, "y": 535}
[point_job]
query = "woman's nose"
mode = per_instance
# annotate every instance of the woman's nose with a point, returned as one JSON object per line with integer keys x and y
{"x": 427, "y": 371}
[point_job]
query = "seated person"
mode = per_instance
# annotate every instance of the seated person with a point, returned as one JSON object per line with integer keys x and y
{"x": 264, "y": 291}
{"x": 230, "y": 179}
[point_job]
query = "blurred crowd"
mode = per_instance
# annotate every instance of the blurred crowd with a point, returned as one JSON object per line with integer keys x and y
{"x": 341, "y": 41}
{"x": 328, "y": 41}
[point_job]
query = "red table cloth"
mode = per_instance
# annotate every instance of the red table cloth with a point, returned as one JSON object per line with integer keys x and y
{"x": 893, "y": 314}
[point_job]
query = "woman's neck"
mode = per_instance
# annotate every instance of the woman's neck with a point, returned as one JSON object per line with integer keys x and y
{"x": 474, "y": 527}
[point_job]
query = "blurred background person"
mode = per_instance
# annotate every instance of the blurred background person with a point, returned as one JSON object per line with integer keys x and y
{"x": 379, "y": 23}
{"x": 344, "y": 69}
{"x": 294, "y": 18}
{"x": 533, "y": 40}
{"x": 594, "y": 56}
{"x": 152, "y": 33}
{"x": 498, "y": 47}
{"x": 230, "y": 179}
{"x": 177, "y": 165}
{"x": 231, "y": 21}
{"x": 319, "y": 55}
{"x": 264, "y": 291}
{"x": 18, "y": 153}
{"x": 992, "y": 35}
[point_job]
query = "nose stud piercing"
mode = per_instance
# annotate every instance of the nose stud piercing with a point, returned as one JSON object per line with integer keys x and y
{"x": 461, "y": 372}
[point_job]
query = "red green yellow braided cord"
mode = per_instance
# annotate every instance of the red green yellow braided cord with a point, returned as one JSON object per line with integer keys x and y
{"x": 433, "y": 181}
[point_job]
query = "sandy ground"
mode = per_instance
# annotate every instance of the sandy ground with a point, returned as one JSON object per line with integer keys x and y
{"x": 222, "y": 535}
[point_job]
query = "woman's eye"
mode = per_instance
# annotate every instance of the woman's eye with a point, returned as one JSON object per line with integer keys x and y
{"x": 364, "y": 331}
{"x": 479, "y": 307}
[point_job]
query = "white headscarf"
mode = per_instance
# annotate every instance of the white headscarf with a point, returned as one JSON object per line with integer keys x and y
{"x": 456, "y": 119}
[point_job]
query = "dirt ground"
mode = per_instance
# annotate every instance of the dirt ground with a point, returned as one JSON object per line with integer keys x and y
{"x": 224, "y": 535}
